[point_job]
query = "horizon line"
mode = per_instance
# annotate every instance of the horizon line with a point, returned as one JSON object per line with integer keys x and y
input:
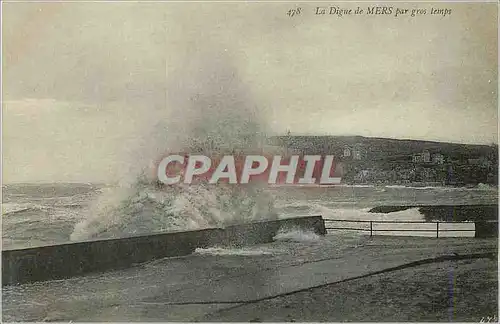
{"x": 493, "y": 143}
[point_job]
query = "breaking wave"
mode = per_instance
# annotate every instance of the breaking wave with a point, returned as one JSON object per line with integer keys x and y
{"x": 296, "y": 235}
{"x": 233, "y": 251}
{"x": 9, "y": 209}
{"x": 209, "y": 112}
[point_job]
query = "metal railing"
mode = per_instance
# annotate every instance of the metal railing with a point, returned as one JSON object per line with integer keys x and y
{"x": 437, "y": 230}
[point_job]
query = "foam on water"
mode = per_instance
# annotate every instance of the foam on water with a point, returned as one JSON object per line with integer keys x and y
{"x": 9, "y": 209}
{"x": 209, "y": 112}
{"x": 296, "y": 235}
{"x": 234, "y": 251}
{"x": 331, "y": 213}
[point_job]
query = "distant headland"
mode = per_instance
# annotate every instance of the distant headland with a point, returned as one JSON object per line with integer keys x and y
{"x": 368, "y": 160}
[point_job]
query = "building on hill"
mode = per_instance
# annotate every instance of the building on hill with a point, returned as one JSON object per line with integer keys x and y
{"x": 417, "y": 158}
{"x": 355, "y": 152}
{"x": 438, "y": 158}
{"x": 482, "y": 162}
{"x": 347, "y": 152}
{"x": 424, "y": 157}
{"x": 359, "y": 152}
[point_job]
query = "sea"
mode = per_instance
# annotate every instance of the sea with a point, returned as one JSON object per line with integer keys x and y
{"x": 45, "y": 214}
{"x": 203, "y": 115}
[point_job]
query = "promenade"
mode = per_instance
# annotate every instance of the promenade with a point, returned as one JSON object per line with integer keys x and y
{"x": 240, "y": 284}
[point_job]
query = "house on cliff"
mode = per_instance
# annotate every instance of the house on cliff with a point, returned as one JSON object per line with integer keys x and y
{"x": 355, "y": 152}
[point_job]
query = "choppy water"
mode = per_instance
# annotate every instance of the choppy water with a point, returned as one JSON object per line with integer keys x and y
{"x": 36, "y": 215}
{"x": 210, "y": 111}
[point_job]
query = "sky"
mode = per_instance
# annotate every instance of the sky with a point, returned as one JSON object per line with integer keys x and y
{"x": 84, "y": 83}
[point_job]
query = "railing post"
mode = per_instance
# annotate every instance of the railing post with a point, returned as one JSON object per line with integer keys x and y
{"x": 437, "y": 229}
{"x": 371, "y": 228}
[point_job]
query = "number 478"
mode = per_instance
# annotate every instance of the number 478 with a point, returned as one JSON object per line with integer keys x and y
{"x": 489, "y": 319}
{"x": 294, "y": 12}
